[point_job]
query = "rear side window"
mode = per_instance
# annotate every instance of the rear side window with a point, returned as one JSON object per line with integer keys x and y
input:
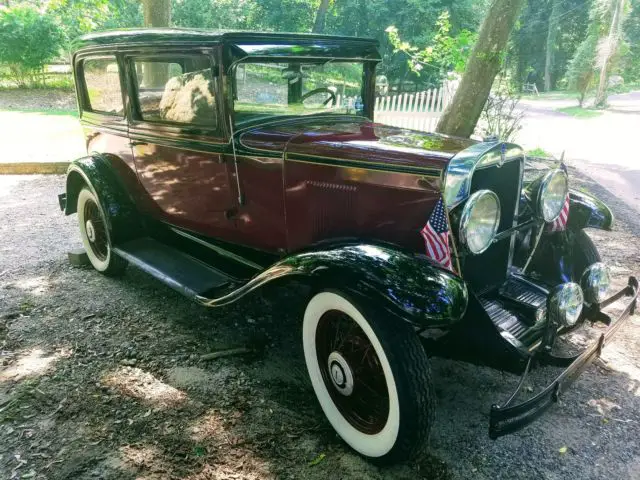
{"x": 176, "y": 89}
{"x": 102, "y": 80}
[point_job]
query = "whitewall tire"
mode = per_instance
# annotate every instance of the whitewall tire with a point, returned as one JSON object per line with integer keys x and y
{"x": 371, "y": 377}
{"x": 95, "y": 236}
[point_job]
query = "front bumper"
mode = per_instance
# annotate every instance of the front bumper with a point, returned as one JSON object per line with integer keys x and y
{"x": 507, "y": 418}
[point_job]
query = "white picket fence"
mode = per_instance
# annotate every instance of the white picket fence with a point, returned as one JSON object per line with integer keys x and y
{"x": 418, "y": 111}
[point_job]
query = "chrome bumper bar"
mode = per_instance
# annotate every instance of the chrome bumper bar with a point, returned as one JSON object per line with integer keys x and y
{"x": 505, "y": 419}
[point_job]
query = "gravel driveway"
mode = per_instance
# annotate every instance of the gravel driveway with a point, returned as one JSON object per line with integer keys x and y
{"x": 102, "y": 378}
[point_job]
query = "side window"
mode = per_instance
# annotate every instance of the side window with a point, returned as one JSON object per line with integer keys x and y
{"x": 102, "y": 80}
{"x": 176, "y": 90}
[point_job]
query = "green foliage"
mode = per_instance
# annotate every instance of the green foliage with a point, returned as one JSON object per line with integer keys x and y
{"x": 78, "y": 17}
{"x": 223, "y": 14}
{"x": 528, "y": 47}
{"x": 500, "y": 116}
{"x": 539, "y": 152}
{"x": 580, "y": 112}
{"x": 446, "y": 53}
{"x": 580, "y": 73}
{"x": 28, "y": 40}
{"x": 630, "y": 61}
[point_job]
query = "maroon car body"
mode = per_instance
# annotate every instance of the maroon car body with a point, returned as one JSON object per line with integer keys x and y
{"x": 210, "y": 169}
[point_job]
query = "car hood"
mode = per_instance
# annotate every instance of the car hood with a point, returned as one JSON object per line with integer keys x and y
{"x": 357, "y": 141}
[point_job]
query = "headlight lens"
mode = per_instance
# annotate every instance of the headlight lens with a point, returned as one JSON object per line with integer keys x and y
{"x": 479, "y": 221}
{"x": 595, "y": 283}
{"x": 553, "y": 192}
{"x": 565, "y": 304}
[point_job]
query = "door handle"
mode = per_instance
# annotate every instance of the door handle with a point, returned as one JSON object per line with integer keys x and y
{"x": 135, "y": 143}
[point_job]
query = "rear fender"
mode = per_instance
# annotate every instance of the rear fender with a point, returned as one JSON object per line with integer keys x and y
{"x": 400, "y": 283}
{"x": 95, "y": 172}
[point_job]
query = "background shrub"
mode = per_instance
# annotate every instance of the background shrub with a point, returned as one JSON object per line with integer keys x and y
{"x": 28, "y": 41}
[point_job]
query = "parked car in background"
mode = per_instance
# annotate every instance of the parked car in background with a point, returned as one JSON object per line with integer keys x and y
{"x": 222, "y": 162}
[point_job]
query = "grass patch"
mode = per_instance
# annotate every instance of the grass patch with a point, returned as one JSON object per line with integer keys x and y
{"x": 539, "y": 152}
{"x": 52, "y": 111}
{"x": 579, "y": 112}
{"x": 555, "y": 95}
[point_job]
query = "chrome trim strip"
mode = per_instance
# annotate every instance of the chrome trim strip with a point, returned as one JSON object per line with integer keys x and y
{"x": 459, "y": 171}
{"x": 516, "y": 211}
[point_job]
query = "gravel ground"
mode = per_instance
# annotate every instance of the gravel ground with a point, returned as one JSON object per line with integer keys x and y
{"x": 37, "y": 99}
{"x": 101, "y": 378}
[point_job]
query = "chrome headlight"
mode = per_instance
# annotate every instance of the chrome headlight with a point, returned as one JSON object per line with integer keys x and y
{"x": 479, "y": 221}
{"x": 595, "y": 283}
{"x": 552, "y": 194}
{"x": 565, "y": 304}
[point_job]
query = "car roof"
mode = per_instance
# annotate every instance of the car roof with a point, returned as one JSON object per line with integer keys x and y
{"x": 244, "y": 44}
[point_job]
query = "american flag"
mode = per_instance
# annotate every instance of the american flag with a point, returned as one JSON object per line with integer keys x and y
{"x": 560, "y": 223}
{"x": 436, "y": 237}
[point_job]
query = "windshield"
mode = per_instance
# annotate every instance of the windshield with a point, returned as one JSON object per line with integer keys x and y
{"x": 264, "y": 90}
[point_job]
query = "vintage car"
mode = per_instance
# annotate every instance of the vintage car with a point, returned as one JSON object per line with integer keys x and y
{"x": 221, "y": 162}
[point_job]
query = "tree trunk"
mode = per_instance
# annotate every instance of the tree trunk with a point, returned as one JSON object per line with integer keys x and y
{"x": 612, "y": 45}
{"x": 552, "y": 35}
{"x": 157, "y": 13}
{"x": 321, "y": 15}
{"x": 463, "y": 112}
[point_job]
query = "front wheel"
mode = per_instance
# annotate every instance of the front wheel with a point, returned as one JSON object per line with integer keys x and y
{"x": 371, "y": 377}
{"x": 95, "y": 235}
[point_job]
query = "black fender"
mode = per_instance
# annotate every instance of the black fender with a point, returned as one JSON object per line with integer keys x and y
{"x": 587, "y": 211}
{"x": 400, "y": 283}
{"x": 96, "y": 172}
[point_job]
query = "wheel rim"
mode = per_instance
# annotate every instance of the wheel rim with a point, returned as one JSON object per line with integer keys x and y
{"x": 352, "y": 372}
{"x": 96, "y": 231}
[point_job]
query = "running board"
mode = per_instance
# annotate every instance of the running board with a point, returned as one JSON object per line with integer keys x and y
{"x": 180, "y": 271}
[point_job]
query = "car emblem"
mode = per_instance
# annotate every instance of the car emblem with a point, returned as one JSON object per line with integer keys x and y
{"x": 503, "y": 151}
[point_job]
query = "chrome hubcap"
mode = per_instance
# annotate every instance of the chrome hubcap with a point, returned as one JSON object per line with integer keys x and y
{"x": 91, "y": 232}
{"x": 341, "y": 374}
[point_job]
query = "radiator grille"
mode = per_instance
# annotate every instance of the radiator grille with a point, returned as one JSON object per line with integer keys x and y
{"x": 490, "y": 268}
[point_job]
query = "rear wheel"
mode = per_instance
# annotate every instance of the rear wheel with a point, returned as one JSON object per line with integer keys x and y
{"x": 371, "y": 377}
{"x": 95, "y": 235}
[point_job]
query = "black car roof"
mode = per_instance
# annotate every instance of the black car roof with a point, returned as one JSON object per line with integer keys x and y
{"x": 255, "y": 44}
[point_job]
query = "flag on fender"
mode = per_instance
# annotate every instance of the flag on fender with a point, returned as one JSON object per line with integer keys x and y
{"x": 436, "y": 237}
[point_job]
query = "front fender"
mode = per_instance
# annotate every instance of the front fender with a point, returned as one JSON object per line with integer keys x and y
{"x": 585, "y": 210}
{"x": 96, "y": 172}
{"x": 400, "y": 283}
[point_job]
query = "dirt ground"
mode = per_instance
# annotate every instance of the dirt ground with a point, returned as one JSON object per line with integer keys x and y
{"x": 102, "y": 378}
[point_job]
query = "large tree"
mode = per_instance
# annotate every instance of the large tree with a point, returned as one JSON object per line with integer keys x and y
{"x": 608, "y": 48}
{"x": 552, "y": 35}
{"x": 321, "y": 15}
{"x": 463, "y": 112}
{"x": 157, "y": 13}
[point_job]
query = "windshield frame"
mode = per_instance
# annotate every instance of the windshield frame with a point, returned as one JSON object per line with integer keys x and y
{"x": 367, "y": 87}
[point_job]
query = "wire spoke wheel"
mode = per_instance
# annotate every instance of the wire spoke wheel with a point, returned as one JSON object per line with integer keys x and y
{"x": 96, "y": 230}
{"x": 370, "y": 375}
{"x": 352, "y": 372}
{"x": 95, "y": 235}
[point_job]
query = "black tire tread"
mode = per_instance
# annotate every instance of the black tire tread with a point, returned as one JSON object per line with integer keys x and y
{"x": 586, "y": 248}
